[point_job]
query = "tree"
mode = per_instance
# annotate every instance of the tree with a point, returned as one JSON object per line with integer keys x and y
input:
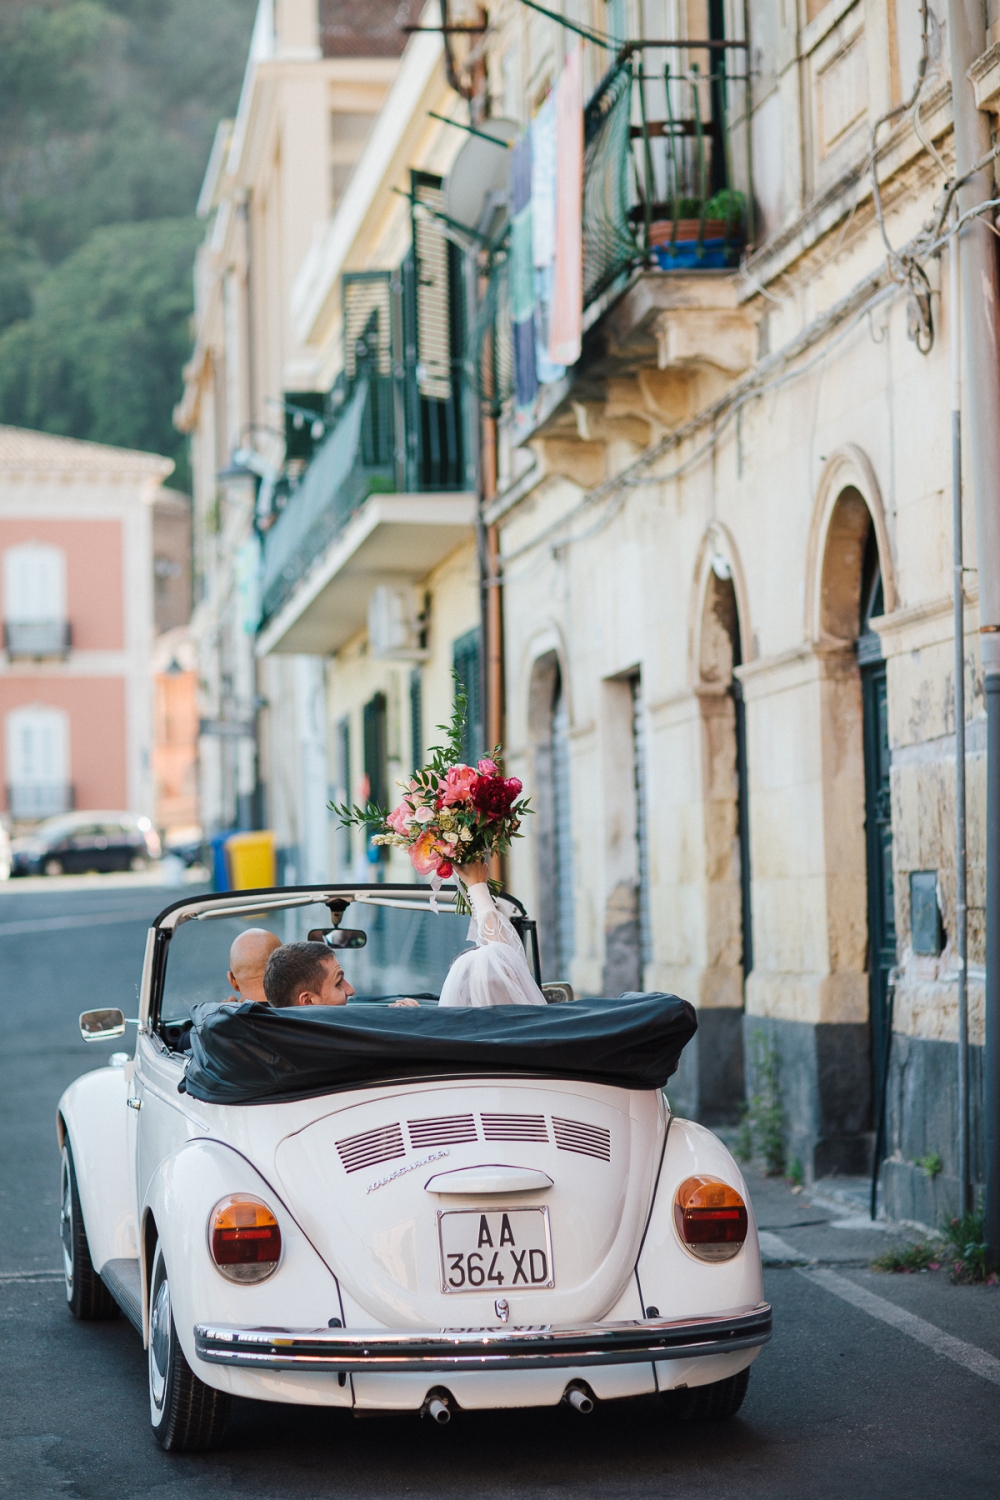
{"x": 101, "y": 355}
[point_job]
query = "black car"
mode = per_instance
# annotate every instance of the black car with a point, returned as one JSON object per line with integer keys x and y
{"x": 78, "y": 843}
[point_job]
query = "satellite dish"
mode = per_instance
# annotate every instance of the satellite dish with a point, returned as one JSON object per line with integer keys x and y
{"x": 480, "y": 174}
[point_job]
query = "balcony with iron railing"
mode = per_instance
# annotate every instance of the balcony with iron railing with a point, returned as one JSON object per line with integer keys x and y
{"x": 388, "y": 489}
{"x": 660, "y": 169}
{"x": 31, "y": 801}
{"x": 667, "y": 214}
{"x": 36, "y": 640}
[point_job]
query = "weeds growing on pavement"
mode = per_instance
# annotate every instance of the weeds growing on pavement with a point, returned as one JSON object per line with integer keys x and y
{"x": 911, "y": 1258}
{"x": 966, "y": 1249}
{"x": 765, "y": 1117}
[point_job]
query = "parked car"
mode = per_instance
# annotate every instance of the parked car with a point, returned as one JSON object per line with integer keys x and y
{"x": 413, "y": 1209}
{"x": 77, "y": 843}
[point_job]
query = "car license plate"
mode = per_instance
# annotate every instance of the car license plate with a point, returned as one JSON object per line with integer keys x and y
{"x": 499, "y": 1249}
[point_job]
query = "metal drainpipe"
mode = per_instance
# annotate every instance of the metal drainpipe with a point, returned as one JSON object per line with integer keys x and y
{"x": 961, "y": 907}
{"x": 967, "y": 33}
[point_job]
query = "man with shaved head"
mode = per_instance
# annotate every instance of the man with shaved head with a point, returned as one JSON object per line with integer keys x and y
{"x": 247, "y": 961}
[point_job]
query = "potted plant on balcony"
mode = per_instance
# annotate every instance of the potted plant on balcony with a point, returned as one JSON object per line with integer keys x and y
{"x": 691, "y": 234}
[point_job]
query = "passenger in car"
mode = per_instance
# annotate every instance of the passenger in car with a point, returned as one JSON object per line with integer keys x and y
{"x": 248, "y": 958}
{"x": 496, "y": 971}
{"x": 307, "y": 974}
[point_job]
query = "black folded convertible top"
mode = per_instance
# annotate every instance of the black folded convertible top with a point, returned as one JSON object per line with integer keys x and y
{"x": 253, "y": 1054}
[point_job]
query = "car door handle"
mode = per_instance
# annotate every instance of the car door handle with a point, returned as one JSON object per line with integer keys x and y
{"x": 133, "y": 1102}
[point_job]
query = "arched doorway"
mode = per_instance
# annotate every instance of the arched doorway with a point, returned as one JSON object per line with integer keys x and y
{"x": 855, "y": 581}
{"x": 548, "y": 723}
{"x": 713, "y": 1076}
{"x": 878, "y": 810}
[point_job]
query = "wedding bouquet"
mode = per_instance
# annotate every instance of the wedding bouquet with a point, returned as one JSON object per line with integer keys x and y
{"x": 450, "y": 813}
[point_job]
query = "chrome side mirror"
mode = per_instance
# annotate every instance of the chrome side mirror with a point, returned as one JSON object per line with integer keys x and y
{"x": 557, "y": 993}
{"x": 102, "y": 1025}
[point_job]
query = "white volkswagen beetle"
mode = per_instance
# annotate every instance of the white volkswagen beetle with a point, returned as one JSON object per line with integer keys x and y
{"x": 399, "y": 1209}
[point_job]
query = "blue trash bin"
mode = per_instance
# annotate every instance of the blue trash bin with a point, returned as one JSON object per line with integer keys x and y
{"x": 220, "y": 864}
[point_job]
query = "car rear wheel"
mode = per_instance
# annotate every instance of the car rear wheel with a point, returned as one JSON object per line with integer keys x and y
{"x": 88, "y": 1297}
{"x": 709, "y": 1403}
{"x": 53, "y": 867}
{"x": 188, "y": 1416}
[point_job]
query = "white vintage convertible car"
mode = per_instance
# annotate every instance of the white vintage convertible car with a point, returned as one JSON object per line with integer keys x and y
{"x": 399, "y": 1209}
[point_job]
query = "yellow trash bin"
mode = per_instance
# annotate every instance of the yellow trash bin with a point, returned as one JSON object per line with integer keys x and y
{"x": 251, "y": 860}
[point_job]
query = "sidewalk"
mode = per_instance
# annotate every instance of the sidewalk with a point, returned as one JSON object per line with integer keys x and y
{"x": 827, "y": 1226}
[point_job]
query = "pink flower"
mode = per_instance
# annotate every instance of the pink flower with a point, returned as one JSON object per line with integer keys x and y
{"x": 423, "y": 856}
{"x": 488, "y": 768}
{"x": 457, "y": 785}
{"x": 397, "y": 819}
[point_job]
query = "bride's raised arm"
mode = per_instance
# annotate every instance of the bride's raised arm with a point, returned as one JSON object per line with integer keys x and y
{"x": 496, "y": 971}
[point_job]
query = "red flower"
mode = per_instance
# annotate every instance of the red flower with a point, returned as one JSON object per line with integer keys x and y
{"x": 444, "y": 869}
{"x": 494, "y": 797}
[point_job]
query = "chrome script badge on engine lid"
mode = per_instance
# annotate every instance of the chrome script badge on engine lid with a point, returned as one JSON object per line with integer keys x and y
{"x": 486, "y": 1250}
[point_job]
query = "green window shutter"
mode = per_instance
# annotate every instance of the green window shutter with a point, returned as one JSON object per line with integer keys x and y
{"x": 416, "y": 719}
{"x": 376, "y": 763}
{"x": 465, "y": 659}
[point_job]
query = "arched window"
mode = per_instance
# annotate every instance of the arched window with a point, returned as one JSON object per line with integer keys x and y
{"x": 37, "y": 745}
{"x": 34, "y": 600}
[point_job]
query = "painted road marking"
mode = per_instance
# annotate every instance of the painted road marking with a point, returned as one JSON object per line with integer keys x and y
{"x": 774, "y": 1251}
{"x": 58, "y": 924}
{"x": 6, "y": 1276}
{"x": 967, "y": 1355}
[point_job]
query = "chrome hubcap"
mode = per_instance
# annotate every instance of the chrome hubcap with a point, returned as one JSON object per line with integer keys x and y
{"x": 159, "y": 1342}
{"x": 66, "y": 1226}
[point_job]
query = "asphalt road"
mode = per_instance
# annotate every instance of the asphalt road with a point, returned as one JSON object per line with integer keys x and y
{"x": 842, "y": 1402}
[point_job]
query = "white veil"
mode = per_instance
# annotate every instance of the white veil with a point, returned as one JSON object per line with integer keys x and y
{"x": 496, "y": 971}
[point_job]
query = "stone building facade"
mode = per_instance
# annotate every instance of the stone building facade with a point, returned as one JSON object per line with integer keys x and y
{"x": 715, "y": 361}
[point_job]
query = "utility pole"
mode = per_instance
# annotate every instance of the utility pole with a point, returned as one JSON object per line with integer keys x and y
{"x": 981, "y": 309}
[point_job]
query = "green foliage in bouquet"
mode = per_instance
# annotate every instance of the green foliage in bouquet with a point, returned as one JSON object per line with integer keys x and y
{"x": 451, "y": 813}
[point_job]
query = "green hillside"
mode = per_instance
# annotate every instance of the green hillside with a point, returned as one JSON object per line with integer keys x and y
{"x": 107, "y": 111}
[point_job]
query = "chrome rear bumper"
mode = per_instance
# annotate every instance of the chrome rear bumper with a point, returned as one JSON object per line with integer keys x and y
{"x": 450, "y": 1349}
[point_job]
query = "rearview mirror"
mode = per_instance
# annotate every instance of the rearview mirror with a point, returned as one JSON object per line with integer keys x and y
{"x": 339, "y": 937}
{"x": 102, "y": 1025}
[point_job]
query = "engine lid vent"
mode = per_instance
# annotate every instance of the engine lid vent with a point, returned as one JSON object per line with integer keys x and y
{"x": 514, "y": 1127}
{"x": 371, "y": 1147}
{"x": 442, "y": 1130}
{"x": 586, "y": 1140}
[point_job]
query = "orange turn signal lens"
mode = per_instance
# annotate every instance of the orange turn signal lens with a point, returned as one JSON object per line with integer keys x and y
{"x": 711, "y": 1218}
{"x": 245, "y": 1238}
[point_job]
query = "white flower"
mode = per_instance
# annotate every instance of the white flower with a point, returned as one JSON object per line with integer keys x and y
{"x": 424, "y": 815}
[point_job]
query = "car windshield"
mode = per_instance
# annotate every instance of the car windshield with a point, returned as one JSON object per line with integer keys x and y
{"x": 406, "y": 952}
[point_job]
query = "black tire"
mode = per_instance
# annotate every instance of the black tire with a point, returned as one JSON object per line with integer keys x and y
{"x": 87, "y": 1296}
{"x": 709, "y": 1403}
{"x": 187, "y": 1415}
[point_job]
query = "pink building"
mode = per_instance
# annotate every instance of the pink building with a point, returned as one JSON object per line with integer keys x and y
{"x": 76, "y": 593}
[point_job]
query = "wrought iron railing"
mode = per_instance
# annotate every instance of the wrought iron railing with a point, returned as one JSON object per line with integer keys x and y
{"x": 29, "y": 801}
{"x": 35, "y": 639}
{"x": 395, "y": 422}
{"x": 658, "y": 167}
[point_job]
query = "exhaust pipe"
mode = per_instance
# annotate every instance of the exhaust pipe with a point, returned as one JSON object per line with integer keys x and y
{"x": 437, "y": 1406}
{"x": 579, "y": 1398}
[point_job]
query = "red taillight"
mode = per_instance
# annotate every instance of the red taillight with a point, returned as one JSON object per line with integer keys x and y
{"x": 711, "y": 1218}
{"x": 245, "y": 1238}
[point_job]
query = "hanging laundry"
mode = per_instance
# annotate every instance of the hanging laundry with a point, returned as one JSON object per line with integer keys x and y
{"x": 543, "y": 219}
{"x": 521, "y": 274}
{"x": 567, "y": 304}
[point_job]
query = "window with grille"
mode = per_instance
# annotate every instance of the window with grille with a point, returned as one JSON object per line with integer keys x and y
{"x": 433, "y": 289}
